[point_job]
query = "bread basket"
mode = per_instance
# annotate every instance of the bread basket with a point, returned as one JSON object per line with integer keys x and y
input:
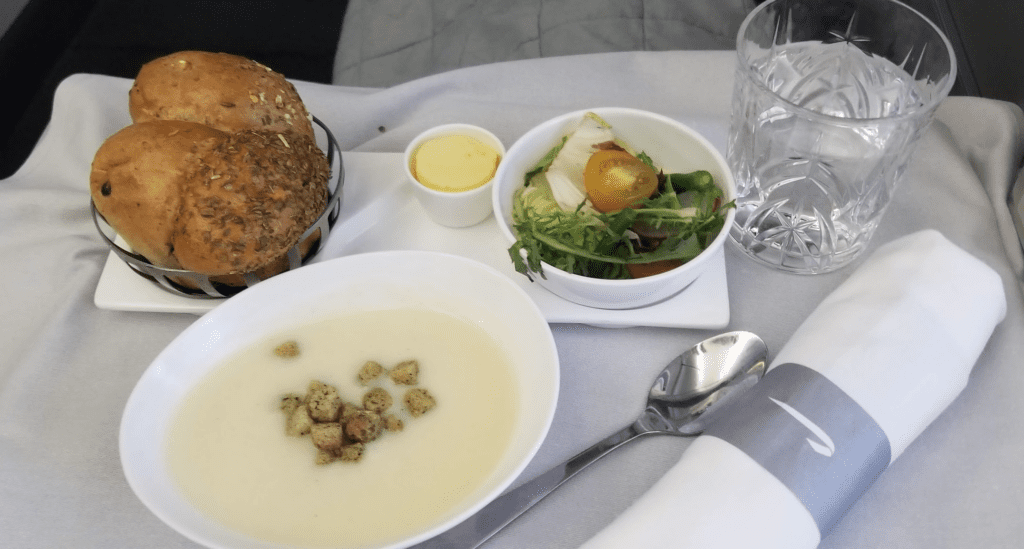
{"x": 205, "y": 286}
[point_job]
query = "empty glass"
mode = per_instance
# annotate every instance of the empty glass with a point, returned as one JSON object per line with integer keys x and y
{"x": 830, "y": 99}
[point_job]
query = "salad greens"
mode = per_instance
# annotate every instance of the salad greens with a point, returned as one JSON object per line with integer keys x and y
{"x": 676, "y": 223}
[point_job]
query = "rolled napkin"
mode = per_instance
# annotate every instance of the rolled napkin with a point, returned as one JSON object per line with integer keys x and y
{"x": 876, "y": 362}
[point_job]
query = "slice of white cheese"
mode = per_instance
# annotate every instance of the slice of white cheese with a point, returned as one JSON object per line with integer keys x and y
{"x": 565, "y": 174}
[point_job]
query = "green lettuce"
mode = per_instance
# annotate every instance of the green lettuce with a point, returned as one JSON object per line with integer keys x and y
{"x": 687, "y": 213}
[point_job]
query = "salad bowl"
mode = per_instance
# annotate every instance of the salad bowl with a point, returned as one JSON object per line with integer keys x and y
{"x": 675, "y": 148}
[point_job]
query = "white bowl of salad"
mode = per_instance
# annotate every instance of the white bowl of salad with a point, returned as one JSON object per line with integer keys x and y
{"x": 613, "y": 208}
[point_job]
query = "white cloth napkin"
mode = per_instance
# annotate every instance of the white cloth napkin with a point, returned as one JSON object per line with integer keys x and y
{"x": 900, "y": 337}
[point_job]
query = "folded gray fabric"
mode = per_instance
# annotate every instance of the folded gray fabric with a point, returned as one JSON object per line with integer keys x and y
{"x": 387, "y": 42}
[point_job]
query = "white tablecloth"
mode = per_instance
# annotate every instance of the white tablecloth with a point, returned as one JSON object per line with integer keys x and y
{"x": 67, "y": 367}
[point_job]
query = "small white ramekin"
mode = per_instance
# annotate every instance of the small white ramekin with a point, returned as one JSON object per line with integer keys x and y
{"x": 454, "y": 209}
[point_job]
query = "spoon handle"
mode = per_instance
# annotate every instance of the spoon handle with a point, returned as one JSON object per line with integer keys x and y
{"x": 494, "y": 516}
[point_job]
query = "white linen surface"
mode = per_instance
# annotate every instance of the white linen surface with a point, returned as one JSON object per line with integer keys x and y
{"x": 66, "y": 367}
{"x": 899, "y": 336}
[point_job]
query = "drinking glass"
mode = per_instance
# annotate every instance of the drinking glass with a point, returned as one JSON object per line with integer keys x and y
{"x": 830, "y": 99}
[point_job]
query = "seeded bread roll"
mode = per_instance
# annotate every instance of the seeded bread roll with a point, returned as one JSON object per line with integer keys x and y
{"x": 137, "y": 179}
{"x": 187, "y": 196}
{"x": 248, "y": 201}
{"x": 227, "y": 92}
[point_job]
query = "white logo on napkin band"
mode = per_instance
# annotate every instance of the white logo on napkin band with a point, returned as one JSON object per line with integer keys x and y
{"x": 826, "y": 449}
{"x": 764, "y": 424}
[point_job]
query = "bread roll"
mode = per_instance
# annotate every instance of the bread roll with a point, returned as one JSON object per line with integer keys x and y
{"x": 248, "y": 201}
{"x": 228, "y": 92}
{"x": 188, "y": 196}
{"x": 219, "y": 174}
{"x": 137, "y": 180}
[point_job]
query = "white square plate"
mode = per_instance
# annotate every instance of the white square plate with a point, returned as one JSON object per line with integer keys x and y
{"x": 379, "y": 212}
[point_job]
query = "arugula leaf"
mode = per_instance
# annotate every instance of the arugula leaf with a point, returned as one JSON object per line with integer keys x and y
{"x": 687, "y": 212}
{"x": 616, "y": 227}
{"x": 601, "y": 245}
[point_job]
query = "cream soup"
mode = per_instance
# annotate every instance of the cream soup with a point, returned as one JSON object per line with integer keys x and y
{"x": 228, "y": 451}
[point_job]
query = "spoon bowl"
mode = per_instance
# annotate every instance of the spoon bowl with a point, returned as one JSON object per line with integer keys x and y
{"x": 708, "y": 374}
{"x": 682, "y": 402}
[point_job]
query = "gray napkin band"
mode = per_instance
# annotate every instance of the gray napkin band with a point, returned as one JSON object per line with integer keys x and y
{"x": 810, "y": 435}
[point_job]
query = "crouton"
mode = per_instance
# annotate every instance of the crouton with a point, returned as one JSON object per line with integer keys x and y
{"x": 290, "y": 402}
{"x": 323, "y": 402}
{"x": 393, "y": 423}
{"x": 323, "y": 457}
{"x": 406, "y": 373}
{"x": 418, "y": 402}
{"x": 299, "y": 422}
{"x": 352, "y": 452}
{"x": 327, "y": 436}
{"x": 370, "y": 371}
{"x": 288, "y": 349}
{"x": 377, "y": 400}
{"x": 364, "y": 426}
{"x": 341, "y": 430}
{"x": 347, "y": 410}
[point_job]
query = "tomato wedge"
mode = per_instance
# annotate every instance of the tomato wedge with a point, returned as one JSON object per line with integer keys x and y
{"x": 615, "y": 179}
{"x": 640, "y": 270}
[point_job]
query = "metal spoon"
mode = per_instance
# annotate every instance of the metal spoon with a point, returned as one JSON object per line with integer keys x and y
{"x": 684, "y": 397}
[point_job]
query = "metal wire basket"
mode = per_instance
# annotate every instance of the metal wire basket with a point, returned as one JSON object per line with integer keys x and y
{"x": 207, "y": 288}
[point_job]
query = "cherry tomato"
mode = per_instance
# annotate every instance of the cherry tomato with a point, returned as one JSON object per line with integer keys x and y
{"x": 641, "y": 270}
{"x": 615, "y": 180}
